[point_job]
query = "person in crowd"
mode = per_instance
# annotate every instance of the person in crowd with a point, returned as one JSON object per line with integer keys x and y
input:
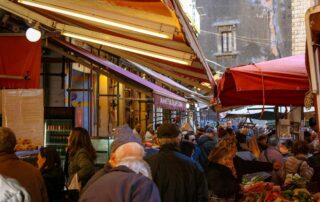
{"x": 187, "y": 147}
{"x": 189, "y": 136}
{"x": 221, "y": 132}
{"x": 254, "y": 147}
{"x": 205, "y": 144}
{"x": 299, "y": 162}
{"x": 243, "y": 166}
{"x": 242, "y": 139}
{"x": 178, "y": 177}
{"x": 314, "y": 162}
{"x": 314, "y": 132}
{"x": 246, "y": 150}
{"x": 222, "y": 182}
{"x": 188, "y": 143}
{"x": 126, "y": 176}
{"x": 199, "y": 133}
{"x": 229, "y": 124}
{"x": 49, "y": 164}
{"x": 308, "y": 138}
{"x": 27, "y": 175}
{"x": 81, "y": 155}
{"x": 150, "y": 135}
{"x": 262, "y": 142}
{"x": 272, "y": 154}
{"x": 289, "y": 145}
{"x": 137, "y": 131}
{"x": 12, "y": 191}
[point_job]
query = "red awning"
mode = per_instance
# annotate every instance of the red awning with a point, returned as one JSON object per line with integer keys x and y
{"x": 20, "y": 62}
{"x": 281, "y": 82}
{"x": 169, "y": 100}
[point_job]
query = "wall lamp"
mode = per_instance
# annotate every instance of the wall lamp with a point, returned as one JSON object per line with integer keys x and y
{"x": 33, "y": 34}
{"x": 108, "y": 18}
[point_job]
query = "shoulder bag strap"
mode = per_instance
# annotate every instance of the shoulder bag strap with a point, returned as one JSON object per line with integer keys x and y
{"x": 265, "y": 153}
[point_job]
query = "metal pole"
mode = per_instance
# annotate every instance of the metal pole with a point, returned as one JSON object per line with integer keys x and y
{"x": 69, "y": 84}
{"x": 98, "y": 103}
{"x": 118, "y": 103}
{"x": 89, "y": 101}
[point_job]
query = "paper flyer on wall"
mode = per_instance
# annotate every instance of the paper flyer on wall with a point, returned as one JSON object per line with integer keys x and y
{"x": 22, "y": 111}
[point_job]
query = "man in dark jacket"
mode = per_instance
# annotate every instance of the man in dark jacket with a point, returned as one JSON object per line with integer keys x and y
{"x": 204, "y": 146}
{"x": 126, "y": 177}
{"x": 27, "y": 175}
{"x": 177, "y": 176}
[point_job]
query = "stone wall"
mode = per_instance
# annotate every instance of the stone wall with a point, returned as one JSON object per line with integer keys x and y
{"x": 299, "y": 8}
{"x": 262, "y": 30}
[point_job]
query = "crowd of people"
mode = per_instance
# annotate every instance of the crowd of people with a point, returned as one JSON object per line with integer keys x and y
{"x": 205, "y": 165}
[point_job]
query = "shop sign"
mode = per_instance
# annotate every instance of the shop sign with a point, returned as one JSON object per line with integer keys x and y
{"x": 169, "y": 103}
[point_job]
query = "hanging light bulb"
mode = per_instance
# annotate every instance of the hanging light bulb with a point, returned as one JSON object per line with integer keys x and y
{"x": 33, "y": 35}
{"x": 187, "y": 105}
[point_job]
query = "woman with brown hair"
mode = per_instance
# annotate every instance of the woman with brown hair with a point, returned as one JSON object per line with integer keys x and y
{"x": 49, "y": 164}
{"x": 222, "y": 182}
{"x": 81, "y": 155}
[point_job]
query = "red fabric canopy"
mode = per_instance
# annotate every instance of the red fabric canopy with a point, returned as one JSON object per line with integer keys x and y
{"x": 281, "y": 82}
{"x": 21, "y": 58}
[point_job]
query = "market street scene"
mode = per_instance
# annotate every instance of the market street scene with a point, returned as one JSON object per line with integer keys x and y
{"x": 159, "y": 100}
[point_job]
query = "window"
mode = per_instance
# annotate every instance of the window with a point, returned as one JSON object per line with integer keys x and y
{"x": 227, "y": 42}
{"x": 226, "y": 39}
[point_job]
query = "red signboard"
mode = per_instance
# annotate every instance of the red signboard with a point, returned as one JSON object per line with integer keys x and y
{"x": 20, "y": 62}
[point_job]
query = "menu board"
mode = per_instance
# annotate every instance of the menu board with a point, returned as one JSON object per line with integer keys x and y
{"x": 22, "y": 111}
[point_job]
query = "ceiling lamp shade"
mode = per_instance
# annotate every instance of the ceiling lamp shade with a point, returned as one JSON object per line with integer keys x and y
{"x": 33, "y": 35}
{"x": 115, "y": 20}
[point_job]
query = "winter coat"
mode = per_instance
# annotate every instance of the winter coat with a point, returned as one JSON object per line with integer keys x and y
{"x": 298, "y": 164}
{"x": 27, "y": 175}
{"x": 121, "y": 184}
{"x": 177, "y": 176}
{"x": 314, "y": 162}
{"x": 204, "y": 144}
{"x": 271, "y": 154}
{"x": 83, "y": 165}
{"x": 221, "y": 182}
{"x": 54, "y": 180}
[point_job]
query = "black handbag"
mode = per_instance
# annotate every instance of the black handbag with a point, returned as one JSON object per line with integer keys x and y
{"x": 70, "y": 195}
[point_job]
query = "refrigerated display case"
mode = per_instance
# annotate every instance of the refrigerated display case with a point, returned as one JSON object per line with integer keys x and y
{"x": 102, "y": 146}
{"x": 58, "y": 122}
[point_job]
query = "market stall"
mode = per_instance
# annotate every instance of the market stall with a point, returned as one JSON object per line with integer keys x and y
{"x": 282, "y": 82}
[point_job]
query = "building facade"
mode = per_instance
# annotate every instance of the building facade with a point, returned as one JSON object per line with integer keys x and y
{"x": 299, "y": 8}
{"x": 247, "y": 31}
